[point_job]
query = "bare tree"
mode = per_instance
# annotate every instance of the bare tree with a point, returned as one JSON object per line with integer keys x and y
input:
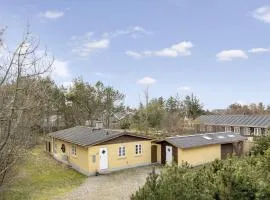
{"x": 22, "y": 95}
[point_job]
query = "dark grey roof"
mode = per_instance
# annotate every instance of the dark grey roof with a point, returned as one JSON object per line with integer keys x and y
{"x": 262, "y": 121}
{"x": 197, "y": 140}
{"x": 86, "y": 136}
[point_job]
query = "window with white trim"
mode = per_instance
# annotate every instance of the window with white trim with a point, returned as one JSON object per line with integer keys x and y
{"x": 73, "y": 150}
{"x": 138, "y": 149}
{"x": 257, "y": 131}
{"x": 228, "y": 129}
{"x": 202, "y": 128}
{"x": 122, "y": 151}
{"x": 236, "y": 130}
{"x": 209, "y": 128}
{"x": 247, "y": 131}
{"x": 54, "y": 147}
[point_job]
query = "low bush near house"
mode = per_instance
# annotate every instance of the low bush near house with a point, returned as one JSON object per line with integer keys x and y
{"x": 234, "y": 178}
{"x": 261, "y": 144}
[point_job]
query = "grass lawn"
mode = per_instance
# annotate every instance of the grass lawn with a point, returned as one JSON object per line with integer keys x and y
{"x": 38, "y": 176}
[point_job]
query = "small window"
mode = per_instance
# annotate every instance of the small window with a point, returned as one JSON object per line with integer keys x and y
{"x": 202, "y": 128}
{"x": 122, "y": 151}
{"x": 237, "y": 130}
{"x": 247, "y": 131}
{"x": 228, "y": 129}
{"x": 63, "y": 148}
{"x": 138, "y": 149}
{"x": 73, "y": 150}
{"x": 257, "y": 131}
{"x": 54, "y": 147}
{"x": 209, "y": 128}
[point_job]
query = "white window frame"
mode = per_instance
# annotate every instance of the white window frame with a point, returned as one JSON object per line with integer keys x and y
{"x": 138, "y": 149}
{"x": 74, "y": 150}
{"x": 257, "y": 131}
{"x": 122, "y": 151}
{"x": 228, "y": 129}
{"x": 237, "y": 130}
{"x": 247, "y": 131}
{"x": 202, "y": 128}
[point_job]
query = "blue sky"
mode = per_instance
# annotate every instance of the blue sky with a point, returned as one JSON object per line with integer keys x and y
{"x": 219, "y": 50}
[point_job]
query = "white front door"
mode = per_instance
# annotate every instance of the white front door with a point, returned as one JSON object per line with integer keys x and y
{"x": 169, "y": 155}
{"x": 103, "y": 158}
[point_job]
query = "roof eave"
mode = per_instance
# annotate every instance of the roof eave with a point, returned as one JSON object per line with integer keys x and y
{"x": 69, "y": 141}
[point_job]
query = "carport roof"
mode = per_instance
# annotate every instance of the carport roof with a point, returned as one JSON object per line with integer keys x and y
{"x": 262, "y": 121}
{"x": 86, "y": 136}
{"x": 197, "y": 140}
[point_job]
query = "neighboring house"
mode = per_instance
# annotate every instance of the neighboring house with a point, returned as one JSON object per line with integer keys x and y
{"x": 200, "y": 148}
{"x": 91, "y": 151}
{"x": 219, "y": 111}
{"x": 247, "y": 125}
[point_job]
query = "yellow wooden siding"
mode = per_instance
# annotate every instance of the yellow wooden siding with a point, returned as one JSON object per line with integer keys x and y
{"x": 114, "y": 161}
{"x": 79, "y": 162}
{"x": 199, "y": 155}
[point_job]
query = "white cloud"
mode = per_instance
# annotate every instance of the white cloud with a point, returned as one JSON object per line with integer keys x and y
{"x": 184, "y": 88}
{"x": 60, "y": 69}
{"x": 51, "y": 14}
{"x": 99, "y": 44}
{"x": 87, "y": 44}
{"x": 179, "y": 49}
{"x": 258, "y": 50}
{"x": 262, "y": 13}
{"x": 147, "y": 81}
{"x": 85, "y": 48}
{"x": 228, "y": 55}
{"x": 134, "y": 54}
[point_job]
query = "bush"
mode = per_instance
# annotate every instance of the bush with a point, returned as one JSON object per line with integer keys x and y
{"x": 235, "y": 178}
{"x": 261, "y": 145}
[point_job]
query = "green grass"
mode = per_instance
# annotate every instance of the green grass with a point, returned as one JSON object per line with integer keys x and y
{"x": 38, "y": 176}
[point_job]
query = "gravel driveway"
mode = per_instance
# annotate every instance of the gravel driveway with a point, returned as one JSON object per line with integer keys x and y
{"x": 118, "y": 185}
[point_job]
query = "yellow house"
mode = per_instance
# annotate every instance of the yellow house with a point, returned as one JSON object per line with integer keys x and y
{"x": 199, "y": 149}
{"x": 91, "y": 151}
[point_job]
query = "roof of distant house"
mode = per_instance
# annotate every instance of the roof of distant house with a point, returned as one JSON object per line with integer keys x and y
{"x": 86, "y": 136}
{"x": 197, "y": 140}
{"x": 262, "y": 121}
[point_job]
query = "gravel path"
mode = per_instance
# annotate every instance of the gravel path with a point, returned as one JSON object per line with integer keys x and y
{"x": 118, "y": 185}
